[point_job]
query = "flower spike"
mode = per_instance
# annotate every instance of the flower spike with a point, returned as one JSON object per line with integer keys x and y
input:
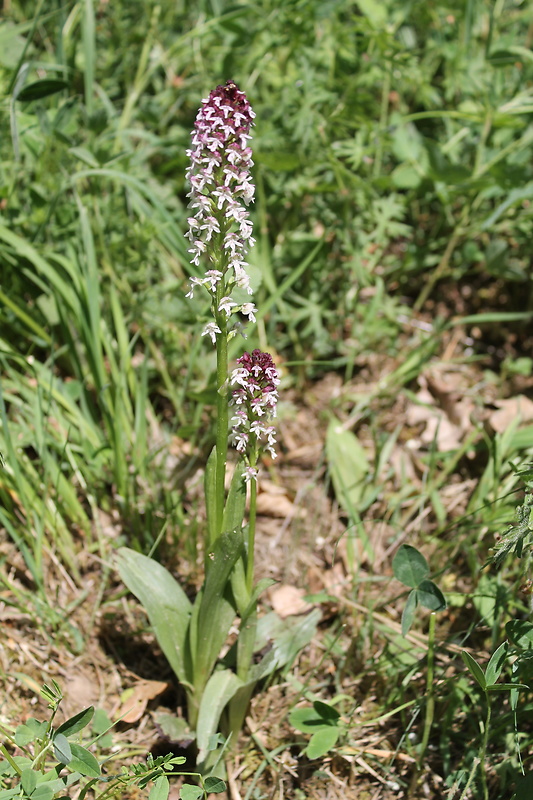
{"x": 254, "y": 399}
{"x": 220, "y": 232}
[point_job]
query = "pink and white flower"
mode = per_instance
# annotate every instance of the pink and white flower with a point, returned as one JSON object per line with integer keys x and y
{"x": 254, "y": 397}
{"x": 219, "y": 176}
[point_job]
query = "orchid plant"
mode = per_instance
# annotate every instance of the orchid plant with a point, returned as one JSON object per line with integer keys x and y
{"x": 193, "y": 634}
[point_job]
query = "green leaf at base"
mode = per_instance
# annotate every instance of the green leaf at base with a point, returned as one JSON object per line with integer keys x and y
{"x": 409, "y": 566}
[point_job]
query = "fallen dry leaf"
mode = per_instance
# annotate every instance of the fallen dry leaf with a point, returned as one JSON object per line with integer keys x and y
{"x": 288, "y": 600}
{"x": 441, "y": 426}
{"x": 274, "y": 504}
{"x": 508, "y": 410}
{"x": 134, "y": 700}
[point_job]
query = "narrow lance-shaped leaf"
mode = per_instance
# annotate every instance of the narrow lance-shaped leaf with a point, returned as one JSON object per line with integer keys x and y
{"x": 495, "y": 665}
{"x": 474, "y": 669}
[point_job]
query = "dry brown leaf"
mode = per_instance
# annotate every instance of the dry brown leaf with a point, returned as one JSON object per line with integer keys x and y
{"x": 288, "y": 600}
{"x": 81, "y": 689}
{"x": 508, "y": 410}
{"x": 275, "y": 504}
{"x": 134, "y": 700}
{"x": 441, "y": 426}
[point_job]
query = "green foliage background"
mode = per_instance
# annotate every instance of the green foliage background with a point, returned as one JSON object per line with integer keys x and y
{"x": 394, "y": 170}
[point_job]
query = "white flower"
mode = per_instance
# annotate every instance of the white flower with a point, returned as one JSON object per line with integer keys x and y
{"x": 212, "y": 277}
{"x": 211, "y": 329}
{"x": 221, "y": 188}
{"x": 226, "y": 304}
{"x": 249, "y": 310}
{"x": 250, "y": 474}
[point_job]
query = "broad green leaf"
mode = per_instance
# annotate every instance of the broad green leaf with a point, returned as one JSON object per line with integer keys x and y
{"x": 524, "y": 788}
{"x": 43, "y": 792}
{"x": 62, "y": 750}
{"x": 76, "y": 723}
{"x": 216, "y": 613}
{"x": 84, "y": 762}
{"x": 348, "y": 466}
{"x": 160, "y": 789}
{"x": 327, "y": 713}
{"x": 430, "y": 596}
{"x": 408, "y": 614}
{"x": 287, "y": 636}
{"x": 28, "y": 780}
{"x": 474, "y": 669}
{"x": 322, "y": 742}
{"x": 494, "y": 668}
{"x": 214, "y": 785}
{"x": 409, "y": 566}
{"x": 189, "y": 792}
{"x": 7, "y": 794}
{"x": 520, "y": 632}
{"x": 56, "y": 784}
{"x": 307, "y": 719}
{"x": 21, "y": 761}
{"x": 219, "y": 690}
{"x": 30, "y": 731}
{"x": 165, "y": 602}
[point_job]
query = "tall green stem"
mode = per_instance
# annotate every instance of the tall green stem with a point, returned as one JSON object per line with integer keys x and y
{"x": 251, "y": 537}
{"x": 222, "y": 415}
{"x": 430, "y": 691}
{"x": 483, "y": 752}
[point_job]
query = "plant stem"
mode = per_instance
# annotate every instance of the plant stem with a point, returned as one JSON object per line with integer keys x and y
{"x": 483, "y": 752}
{"x": 222, "y": 415}
{"x": 467, "y": 784}
{"x": 251, "y": 537}
{"x": 430, "y": 692}
{"x": 442, "y": 266}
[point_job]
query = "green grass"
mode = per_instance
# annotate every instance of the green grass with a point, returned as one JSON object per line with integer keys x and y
{"x": 393, "y": 149}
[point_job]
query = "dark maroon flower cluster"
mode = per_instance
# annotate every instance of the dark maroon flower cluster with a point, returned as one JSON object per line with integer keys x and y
{"x": 255, "y": 396}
